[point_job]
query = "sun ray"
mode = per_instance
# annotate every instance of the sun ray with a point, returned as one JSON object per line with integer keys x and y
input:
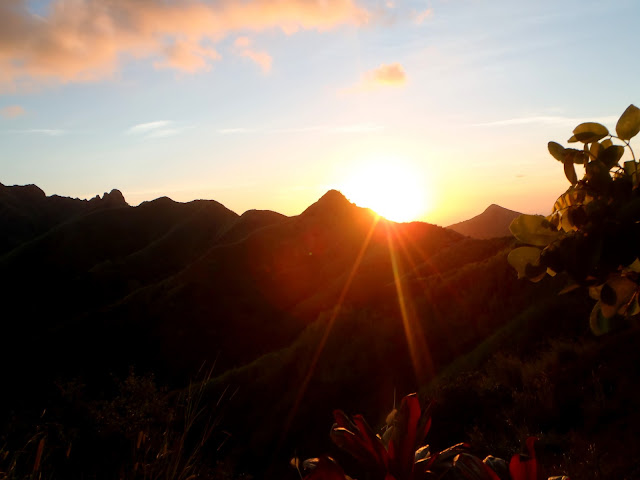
{"x": 327, "y": 332}
{"x": 403, "y": 239}
{"x": 418, "y": 349}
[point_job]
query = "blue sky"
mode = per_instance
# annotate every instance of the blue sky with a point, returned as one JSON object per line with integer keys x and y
{"x": 264, "y": 104}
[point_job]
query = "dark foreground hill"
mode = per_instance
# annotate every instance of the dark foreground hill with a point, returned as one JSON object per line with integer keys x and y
{"x": 492, "y": 223}
{"x": 199, "y": 280}
{"x": 107, "y": 313}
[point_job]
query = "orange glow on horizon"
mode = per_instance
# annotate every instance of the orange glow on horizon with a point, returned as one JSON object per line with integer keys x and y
{"x": 390, "y": 187}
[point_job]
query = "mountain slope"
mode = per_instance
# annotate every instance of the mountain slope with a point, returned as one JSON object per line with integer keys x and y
{"x": 166, "y": 287}
{"x": 180, "y": 284}
{"x": 256, "y": 295}
{"x": 492, "y": 223}
{"x": 26, "y": 212}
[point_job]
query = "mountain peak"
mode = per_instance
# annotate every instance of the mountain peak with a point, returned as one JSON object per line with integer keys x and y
{"x": 114, "y": 197}
{"x": 333, "y": 197}
{"x": 332, "y": 203}
{"x": 492, "y": 223}
{"x": 493, "y": 208}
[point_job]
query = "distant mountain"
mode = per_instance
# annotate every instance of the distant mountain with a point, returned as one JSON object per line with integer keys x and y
{"x": 197, "y": 278}
{"x": 166, "y": 287}
{"x": 492, "y": 223}
{"x": 333, "y": 308}
{"x": 26, "y": 212}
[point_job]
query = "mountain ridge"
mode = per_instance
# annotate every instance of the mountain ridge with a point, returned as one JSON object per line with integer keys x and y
{"x": 493, "y": 222}
{"x": 165, "y": 287}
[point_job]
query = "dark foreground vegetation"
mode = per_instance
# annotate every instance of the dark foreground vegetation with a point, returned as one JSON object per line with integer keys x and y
{"x": 184, "y": 341}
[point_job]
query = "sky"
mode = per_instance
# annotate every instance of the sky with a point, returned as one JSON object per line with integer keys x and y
{"x": 268, "y": 104}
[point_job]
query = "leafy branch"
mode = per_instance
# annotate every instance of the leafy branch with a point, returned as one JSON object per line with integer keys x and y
{"x": 593, "y": 232}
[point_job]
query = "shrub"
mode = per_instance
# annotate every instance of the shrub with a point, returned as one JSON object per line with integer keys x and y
{"x": 593, "y": 232}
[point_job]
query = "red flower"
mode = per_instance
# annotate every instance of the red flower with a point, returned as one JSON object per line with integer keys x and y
{"x": 409, "y": 427}
{"x": 522, "y": 468}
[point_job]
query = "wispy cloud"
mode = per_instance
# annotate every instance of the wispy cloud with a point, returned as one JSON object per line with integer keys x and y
{"x": 12, "y": 111}
{"x": 143, "y": 128}
{"x": 50, "y": 132}
{"x": 165, "y": 132}
{"x": 157, "y": 129}
{"x": 86, "y": 40}
{"x": 420, "y": 17}
{"x": 547, "y": 120}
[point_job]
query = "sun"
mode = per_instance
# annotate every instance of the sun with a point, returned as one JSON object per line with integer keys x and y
{"x": 392, "y": 188}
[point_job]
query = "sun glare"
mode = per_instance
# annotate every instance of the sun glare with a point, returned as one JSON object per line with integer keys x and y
{"x": 393, "y": 189}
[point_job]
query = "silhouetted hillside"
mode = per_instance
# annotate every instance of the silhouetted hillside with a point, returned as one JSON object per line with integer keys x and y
{"x": 26, "y": 212}
{"x": 332, "y": 308}
{"x": 247, "y": 298}
{"x": 492, "y": 223}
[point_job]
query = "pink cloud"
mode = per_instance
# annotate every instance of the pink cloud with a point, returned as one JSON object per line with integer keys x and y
{"x": 86, "y": 40}
{"x": 12, "y": 111}
{"x": 244, "y": 49}
{"x": 421, "y": 17}
{"x": 242, "y": 42}
{"x": 388, "y": 75}
{"x": 187, "y": 56}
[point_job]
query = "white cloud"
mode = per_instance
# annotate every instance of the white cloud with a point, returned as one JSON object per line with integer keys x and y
{"x": 50, "y": 132}
{"x": 157, "y": 129}
{"x": 143, "y": 128}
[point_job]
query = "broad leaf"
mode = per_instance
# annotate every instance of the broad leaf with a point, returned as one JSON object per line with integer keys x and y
{"x": 470, "y": 467}
{"x": 534, "y": 230}
{"x": 635, "y": 266}
{"x": 570, "y": 173}
{"x": 356, "y": 437}
{"x": 521, "y": 257}
{"x": 628, "y": 125}
{"x": 523, "y": 468}
{"x": 611, "y": 155}
{"x": 574, "y": 155}
{"x": 598, "y": 323}
{"x": 595, "y": 150}
{"x": 405, "y": 438}
{"x": 556, "y": 150}
{"x": 633, "y": 308}
{"x": 631, "y": 169}
{"x": 566, "y": 224}
{"x": 323, "y": 468}
{"x": 590, "y": 132}
{"x": 615, "y": 295}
